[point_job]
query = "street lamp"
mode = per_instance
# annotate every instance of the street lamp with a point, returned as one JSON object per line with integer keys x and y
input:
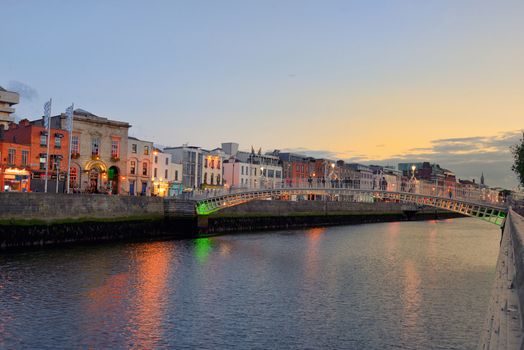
{"x": 413, "y": 178}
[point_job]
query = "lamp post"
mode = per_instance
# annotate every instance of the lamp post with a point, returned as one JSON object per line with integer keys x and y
{"x": 413, "y": 178}
{"x": 262, "y": 177}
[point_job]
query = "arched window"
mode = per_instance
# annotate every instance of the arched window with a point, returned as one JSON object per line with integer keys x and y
{"x": 205, "y": 178}
{"x": 212, "y": 177}
{"x": 218, "y": 179}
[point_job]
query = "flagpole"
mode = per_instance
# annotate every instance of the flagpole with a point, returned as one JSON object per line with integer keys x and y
{"x": 57, "y": 162}
{"x": 70, "y": 129}
{"x": 48, "y": 118}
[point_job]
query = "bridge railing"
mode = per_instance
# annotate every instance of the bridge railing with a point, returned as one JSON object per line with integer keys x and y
{"x": 416, "y": 187}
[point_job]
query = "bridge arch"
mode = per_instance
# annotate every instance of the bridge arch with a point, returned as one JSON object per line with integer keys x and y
{"x": 485, "y": 211}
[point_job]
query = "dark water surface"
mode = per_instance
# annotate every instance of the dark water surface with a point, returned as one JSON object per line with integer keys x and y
{"x": 409, "y": 285}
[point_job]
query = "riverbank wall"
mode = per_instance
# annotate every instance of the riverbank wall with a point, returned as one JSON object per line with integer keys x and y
{"x": 39, "y": 219}
{"x": 503, "y": 327}
{"x": 271, "y": 215}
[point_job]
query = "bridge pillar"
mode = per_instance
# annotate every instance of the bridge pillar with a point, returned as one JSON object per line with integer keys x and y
{"x": 202, "y": 223}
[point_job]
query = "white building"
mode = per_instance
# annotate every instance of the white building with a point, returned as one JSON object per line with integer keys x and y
{"x": 200, "y": 168}
{"x": 212, "y": 172}
{"x": 167, "y": 176}
{"x": 139, "y": 166}
{"x": 251, "y": 169}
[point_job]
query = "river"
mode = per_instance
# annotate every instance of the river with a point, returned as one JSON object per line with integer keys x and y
{"x": 408, "y": 285}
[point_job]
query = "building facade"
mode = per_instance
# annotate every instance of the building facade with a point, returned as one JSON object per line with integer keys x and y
{"x": 251, "y": 169}
{"x": 167, "y": 176}
{"x": 139, "y": 166}
{"x": 36, "y": 137}
{"x": 98, "y": 152}
{"x": 14, "y": 166}
{"x": 7, "y": 100}
{"x": 295, "y": 168}
{"x": 201, "y": 168}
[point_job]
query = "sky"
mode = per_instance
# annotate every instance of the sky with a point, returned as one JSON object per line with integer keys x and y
{"x": 369, "y": 81}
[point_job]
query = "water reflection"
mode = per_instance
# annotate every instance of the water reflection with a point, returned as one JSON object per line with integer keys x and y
{"x": 411, "y": 301}
{"x": 151, "y": 296}
{"x": 314, "y": 235}
{"x": 202, "y": 249}
{"x": 392, "y": 285}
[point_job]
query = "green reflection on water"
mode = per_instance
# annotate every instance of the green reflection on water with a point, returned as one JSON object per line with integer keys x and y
{"x": 202, "y": 249}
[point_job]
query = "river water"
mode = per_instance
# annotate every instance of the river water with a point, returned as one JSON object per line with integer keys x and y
{"x": 408, "y": 285}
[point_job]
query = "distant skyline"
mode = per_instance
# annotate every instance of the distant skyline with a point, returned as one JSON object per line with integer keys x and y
{"x": 386, "y": 81}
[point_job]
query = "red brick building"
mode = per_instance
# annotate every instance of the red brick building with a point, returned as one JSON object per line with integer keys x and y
{"x": 35, "y": 137}
{"x": 14, "y": 165}
{"x": 295, "y": 169}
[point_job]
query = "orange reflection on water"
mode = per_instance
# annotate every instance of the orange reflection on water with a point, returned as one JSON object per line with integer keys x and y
{"x": 152, "y": 272}
{"x": 106, "y": 304}
{"x": 411, "y": 298}
{"x": 313, "y": 235}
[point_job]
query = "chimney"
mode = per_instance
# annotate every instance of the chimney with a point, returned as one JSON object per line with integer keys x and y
{"x": 24, "y": 122}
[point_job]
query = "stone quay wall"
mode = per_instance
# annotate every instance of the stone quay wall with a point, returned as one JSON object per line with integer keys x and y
{"x": 503, "y": 327}
{"x": 20, "y": 208}
{"x": 39, "y": 219}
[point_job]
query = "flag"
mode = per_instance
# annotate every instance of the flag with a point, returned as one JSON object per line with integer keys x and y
{"x": 47, "y": 114}
{"x": 69, "y": 113}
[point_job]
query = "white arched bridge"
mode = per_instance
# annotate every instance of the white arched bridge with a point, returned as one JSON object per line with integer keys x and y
{"x": 494, "y": 213}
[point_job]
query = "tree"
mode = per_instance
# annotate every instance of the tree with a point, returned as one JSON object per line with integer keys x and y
{"x": 518, "y": 156}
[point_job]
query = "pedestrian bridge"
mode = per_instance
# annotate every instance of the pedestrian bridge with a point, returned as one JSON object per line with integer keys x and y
{"x": 484, "y": 210}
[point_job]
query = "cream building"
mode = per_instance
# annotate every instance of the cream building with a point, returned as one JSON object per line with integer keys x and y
{"x": 98, "y": 152}
{"x": 167, "y": 175}
{"x": 139, "y": 165}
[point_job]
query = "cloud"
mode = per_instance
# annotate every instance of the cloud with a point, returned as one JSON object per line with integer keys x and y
{"x": 319, "y": 153}
{"x": 26, "y": 92}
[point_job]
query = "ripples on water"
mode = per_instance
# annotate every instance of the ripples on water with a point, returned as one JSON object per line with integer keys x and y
{"x": 410, "y": 285}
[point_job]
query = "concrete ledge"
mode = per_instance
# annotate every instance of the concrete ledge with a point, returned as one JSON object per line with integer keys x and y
{"x": 503, "y": 326}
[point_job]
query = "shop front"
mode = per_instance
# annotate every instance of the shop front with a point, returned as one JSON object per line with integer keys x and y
{"x": 15, "y": 180}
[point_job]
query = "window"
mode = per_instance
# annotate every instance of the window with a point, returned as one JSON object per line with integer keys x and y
{"x": 134, "y": 148}
{"x": 212, "y": 164}
{"x": 58, "y": 141}
{"x": 212, "y": 178}
{"x": 75, "y": 145}
{"x": 155, "y": 172}
{"x": 218, "y": 179}
{"x": 115, "y": 149}
{"x": 165, "y": 174}
{"x": 25, "y": 156}
{"x": 11, "y": 155}
{"x": 205, "y": 163}
{"x": 167, "y": 161}
{"x": 176, "y": 175}
{"x": 132, "y": 168}
{"x": 144, "y": 169}
{"x": 205, "y": 178}
{"x": 156, "y": 159}
{"x": 218, "y": 164}
{"x": 42, "y": 161}
{"x": 95, "y": 146}
{"x": 43, "y": 140}
{"x": 146, "y": 150}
